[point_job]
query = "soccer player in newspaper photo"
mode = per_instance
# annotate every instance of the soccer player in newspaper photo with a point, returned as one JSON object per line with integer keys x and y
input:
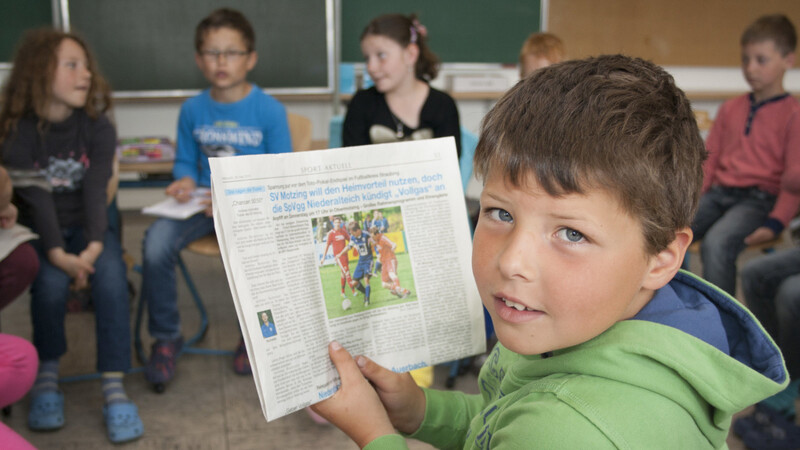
{"x": 360, "y": 240}
{"x": 338, "y": 238}
{"x": 384, "y": 248}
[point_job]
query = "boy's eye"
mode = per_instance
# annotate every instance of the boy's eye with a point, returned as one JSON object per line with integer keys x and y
{"x": 500, "y": 214}
{"x": 570, "y": 235}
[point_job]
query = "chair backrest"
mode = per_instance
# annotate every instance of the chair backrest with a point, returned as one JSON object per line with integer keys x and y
{"x": 335, "y": 131}
{"x": 468, "y": 143}
{"x": 300, "y": 129}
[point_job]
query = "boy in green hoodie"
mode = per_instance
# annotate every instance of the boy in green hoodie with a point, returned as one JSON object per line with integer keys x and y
{"x": 592, "y": 172}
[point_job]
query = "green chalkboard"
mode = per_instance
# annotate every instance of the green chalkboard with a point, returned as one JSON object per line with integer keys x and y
{"x": 147, "y": 46}
{"x": 473, "y": 31}
{"x": 16, "y": 16}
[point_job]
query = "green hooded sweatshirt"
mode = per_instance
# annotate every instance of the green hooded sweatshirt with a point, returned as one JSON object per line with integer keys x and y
{"x": 670, "y": 377}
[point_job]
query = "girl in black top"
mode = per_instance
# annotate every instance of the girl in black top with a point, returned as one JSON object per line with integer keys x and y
{"x": 401, "y": 105}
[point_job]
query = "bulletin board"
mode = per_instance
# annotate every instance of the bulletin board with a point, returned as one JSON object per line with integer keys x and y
{"x": 669, "y": 33}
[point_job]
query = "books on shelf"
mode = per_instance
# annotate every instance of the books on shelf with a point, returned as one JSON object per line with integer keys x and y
{"x": 145, "y": 149}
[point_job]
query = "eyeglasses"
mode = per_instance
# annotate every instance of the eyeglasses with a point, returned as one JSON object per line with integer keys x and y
{"x": 230, "y": 55}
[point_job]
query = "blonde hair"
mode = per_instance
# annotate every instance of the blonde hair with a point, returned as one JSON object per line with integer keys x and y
{"x": 543, "y": 44}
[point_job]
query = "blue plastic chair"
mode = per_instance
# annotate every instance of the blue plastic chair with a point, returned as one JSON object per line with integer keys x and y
{"x": 335, "y": 134}
{"x": 469, "y": 142}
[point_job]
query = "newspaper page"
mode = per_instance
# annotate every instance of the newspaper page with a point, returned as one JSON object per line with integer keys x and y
{"x": 369, "y": 246}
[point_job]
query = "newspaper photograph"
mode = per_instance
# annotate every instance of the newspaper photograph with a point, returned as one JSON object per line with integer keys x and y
{"x": 369, "y": 246}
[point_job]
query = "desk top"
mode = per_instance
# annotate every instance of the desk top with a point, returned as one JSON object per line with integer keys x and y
{"x": 147, "y": 167}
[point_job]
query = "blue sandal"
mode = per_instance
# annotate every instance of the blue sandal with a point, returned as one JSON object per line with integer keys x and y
{"x": 122, "y": 422}
{"x": 47, "y": 411}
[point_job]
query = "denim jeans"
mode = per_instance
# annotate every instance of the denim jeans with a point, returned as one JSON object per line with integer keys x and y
{"x": 771, "y": 287}
{"x": 162, "y": 245}
{"x": 724, "y": 218}
{"x": 109, "y": 290}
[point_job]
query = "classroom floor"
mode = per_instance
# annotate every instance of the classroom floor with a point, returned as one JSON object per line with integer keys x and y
{"x": 207, "y": 406}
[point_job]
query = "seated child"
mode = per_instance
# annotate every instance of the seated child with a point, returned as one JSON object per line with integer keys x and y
{"x": 539, "y": 50}
{"x": 771, "y": 286}
{"x": 232, "y": 117}
{"x": 401, "y": 105}
{"x": 754, "y": 141}
{"x": 592, "y": 171}
{"x": 56, "y": 131}
{"x": 18, "y": 358}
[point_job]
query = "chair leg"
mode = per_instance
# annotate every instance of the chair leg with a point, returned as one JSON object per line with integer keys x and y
{"x": 201, "y": 309}
{"x": 137, "y": 332}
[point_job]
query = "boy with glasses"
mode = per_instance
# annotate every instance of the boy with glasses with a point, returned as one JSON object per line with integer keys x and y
{"x": 232, "y": 117}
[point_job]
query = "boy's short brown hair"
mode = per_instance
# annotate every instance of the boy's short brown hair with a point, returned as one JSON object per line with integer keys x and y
{"x": 611, "y": 122}
{"x": 542, "y": 44}
{"x": 225, "y": 18}
{"x": 774, "y": 27}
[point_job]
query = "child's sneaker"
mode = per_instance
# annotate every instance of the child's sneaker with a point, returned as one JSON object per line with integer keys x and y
{"x": 241, "y": 363}
{"x": 122, "y": 422}
{"x": 161, "y": 367}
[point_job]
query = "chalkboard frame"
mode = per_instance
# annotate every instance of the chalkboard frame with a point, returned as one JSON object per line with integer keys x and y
{"x": 328, "y": 88}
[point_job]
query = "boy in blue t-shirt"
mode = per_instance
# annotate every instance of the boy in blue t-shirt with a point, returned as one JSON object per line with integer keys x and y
{"x": 232, "y": 117}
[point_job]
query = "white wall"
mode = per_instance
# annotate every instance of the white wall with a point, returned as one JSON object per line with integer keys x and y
{"x": 159, "y": 117}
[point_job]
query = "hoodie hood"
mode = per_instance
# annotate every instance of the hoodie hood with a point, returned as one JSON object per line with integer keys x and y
{"x": 658, "y": 362}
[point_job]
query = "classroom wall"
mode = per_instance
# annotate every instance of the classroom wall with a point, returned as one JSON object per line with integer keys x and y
{"x": 159, "y": 117}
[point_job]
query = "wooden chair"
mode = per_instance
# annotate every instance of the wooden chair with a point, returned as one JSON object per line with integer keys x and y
{"x": 764, "y": 247}
{"x": 300, "y": 130}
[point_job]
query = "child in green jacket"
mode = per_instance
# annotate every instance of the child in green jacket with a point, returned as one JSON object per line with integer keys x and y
{"x": 592, "y": 171}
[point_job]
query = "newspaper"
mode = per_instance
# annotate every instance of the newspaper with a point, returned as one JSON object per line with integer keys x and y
{"x": 276, "y": 218}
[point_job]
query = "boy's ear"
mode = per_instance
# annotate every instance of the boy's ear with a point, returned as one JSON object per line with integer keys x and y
{"x": 252, "y": 59}
{"x": 790, "y": 59}
{"x": 666, "y": 263}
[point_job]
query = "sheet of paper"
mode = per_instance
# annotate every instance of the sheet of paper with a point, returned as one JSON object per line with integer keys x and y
{"x": 11, "y": 238}
{"x": 276, "y": 219}
{"x": 174, "y": 209}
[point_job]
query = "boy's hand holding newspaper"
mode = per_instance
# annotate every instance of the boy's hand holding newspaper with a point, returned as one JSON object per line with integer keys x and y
{"x": 372, "y": 401}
